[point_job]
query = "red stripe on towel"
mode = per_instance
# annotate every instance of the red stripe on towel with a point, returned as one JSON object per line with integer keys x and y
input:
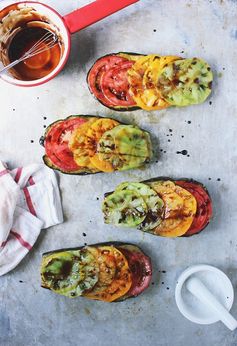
{"x": 31, "y": 181}
{"x": 18, "y": 174}
{"x": 5, "y": 171}
{"x": 3, "y": 243}
{"x": 21, "y": 240}
{"x": 29, "y": 201}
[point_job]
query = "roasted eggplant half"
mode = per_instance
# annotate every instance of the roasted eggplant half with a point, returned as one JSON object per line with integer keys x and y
{"x": 108, "y": 272}
{"x": 129, "y": 81}
{"x": 84, "y": 144}
{"x": 161, "y": 206}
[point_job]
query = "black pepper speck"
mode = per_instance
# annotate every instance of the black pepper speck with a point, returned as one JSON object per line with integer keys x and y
{"x": 84, "y": 234}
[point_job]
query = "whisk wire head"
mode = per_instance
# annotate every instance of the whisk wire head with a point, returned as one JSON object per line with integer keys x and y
{"x": 46, "y": 42}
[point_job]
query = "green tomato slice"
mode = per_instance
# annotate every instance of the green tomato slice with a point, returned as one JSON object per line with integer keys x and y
{"x": 125, "y": 147}
{"x": 124, "y": 208}
{"x": 154, "y": 203}
{"x": 70, "y": 273}
{"x": 185, "y": 82}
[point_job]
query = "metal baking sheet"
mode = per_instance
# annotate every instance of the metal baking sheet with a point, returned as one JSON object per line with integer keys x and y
{"x": 30, "y": 315}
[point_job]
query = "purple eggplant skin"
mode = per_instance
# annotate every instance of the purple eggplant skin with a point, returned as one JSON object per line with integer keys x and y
{"x": 117, "y": 109}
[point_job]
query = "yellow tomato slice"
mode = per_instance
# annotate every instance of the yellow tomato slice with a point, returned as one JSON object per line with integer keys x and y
{"x": 95, "y": 132}
{"x": 146, "y": 95}
{"x": 115, "y": 278}
{"x": 180, "y": 209}
{"x": 151, "y": 74}
{"x": 93, "y": 135}
{"x": 79, "y": 145}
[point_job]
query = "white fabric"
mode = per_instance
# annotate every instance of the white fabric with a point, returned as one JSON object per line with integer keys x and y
{"x": 9, "y": 192}
{"x": 44, "y": 193}
{"x": 26, "y": 228}
{"x": 29, "y": 201}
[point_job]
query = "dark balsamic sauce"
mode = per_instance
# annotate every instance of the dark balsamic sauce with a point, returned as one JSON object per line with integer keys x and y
{"x": 39, "y": 65}
{"x": 183, "y": 152}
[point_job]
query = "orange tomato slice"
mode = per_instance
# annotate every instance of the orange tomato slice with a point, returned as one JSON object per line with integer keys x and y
{"x": 180, "y": 209}
{"x": 94, "y": 133}
{"x": 115, "y": 278}
{"x": 102, "y": 165}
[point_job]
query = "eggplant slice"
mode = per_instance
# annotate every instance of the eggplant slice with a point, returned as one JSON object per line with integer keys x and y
{"x": 129, "y": 81}
{"x": 187, "y": 207}
{"x": 69, "y": 152}
{"x": 59, "y": 274}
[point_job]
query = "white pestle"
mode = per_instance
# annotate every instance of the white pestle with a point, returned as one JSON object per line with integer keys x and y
{"x": 200, "y": 291}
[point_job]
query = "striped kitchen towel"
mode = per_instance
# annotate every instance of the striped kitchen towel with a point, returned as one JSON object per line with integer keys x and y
{"x": 29, "y": 201}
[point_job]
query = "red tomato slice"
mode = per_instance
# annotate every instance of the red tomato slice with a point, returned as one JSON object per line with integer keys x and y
{"x": 94, "y": 76}
{"x": 204, "y": 206}
{"x": 115, "y": 85}
{"x": 141, "y": 270}
{"x": 56, "y": 143}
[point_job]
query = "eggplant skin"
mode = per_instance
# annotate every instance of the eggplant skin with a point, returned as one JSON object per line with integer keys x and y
{"x": 49, "y": 163}
{"x": 116, "y": 244}
{"x": 110, "y": 243}
{"x": 117, "y": 109}
{"x": 175, "y": 179}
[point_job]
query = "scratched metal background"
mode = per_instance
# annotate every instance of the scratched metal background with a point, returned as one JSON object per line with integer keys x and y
{"x": 30, "y": 315}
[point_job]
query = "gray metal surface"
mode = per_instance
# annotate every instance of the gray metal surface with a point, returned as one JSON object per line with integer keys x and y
{"x": 30, "y": 315}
